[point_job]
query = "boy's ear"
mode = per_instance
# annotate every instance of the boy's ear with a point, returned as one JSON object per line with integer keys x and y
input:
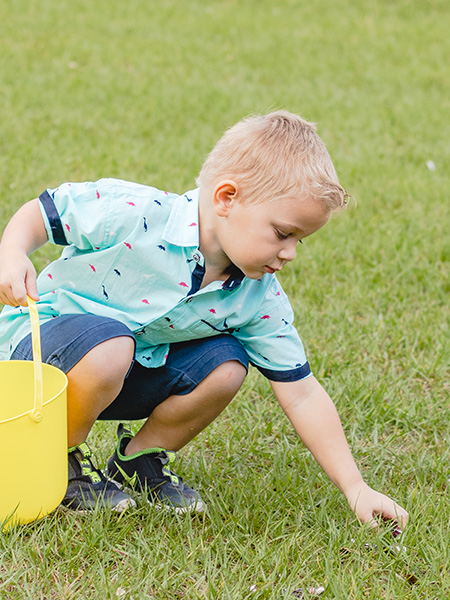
{"x": 224, "y": 196}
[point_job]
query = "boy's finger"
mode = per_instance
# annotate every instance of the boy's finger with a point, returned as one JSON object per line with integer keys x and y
{"x": 31, "y": 286}
{"x": 399, "y": 516}
{"x": 396, "y": 515}
{"x": 18, "y": 298}
{"x": 18, "y": 294}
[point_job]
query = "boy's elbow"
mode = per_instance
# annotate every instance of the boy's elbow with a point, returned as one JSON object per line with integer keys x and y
{"x": 295, "y": 393}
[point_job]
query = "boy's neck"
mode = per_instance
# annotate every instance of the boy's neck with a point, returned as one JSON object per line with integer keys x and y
{"x": 217, "y": 264}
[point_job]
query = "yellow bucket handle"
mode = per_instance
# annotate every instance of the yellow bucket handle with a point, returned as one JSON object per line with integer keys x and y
{"x": 36, "y": 413}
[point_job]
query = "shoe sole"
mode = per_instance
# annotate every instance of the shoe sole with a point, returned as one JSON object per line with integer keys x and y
{"x": 119, "y": 508}
{"x": 197, "y": 506}
{"x": 124, "y": 505}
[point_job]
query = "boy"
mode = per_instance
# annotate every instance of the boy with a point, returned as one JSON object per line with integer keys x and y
{"x": 159, "y": 301}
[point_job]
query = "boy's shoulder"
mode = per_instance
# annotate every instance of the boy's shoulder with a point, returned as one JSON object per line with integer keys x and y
{"x": 108, "y": 187}
{"x": 113, "y": 196}
{"x": 122, "y": 187}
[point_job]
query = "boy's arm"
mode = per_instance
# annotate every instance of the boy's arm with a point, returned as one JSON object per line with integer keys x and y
{"x": 24, "y": 234}
{"x": 315, "y": 419}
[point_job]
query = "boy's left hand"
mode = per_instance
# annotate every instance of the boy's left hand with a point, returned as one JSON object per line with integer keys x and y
{"x": 315, "y": 419}
{"x": 369, "y": 504}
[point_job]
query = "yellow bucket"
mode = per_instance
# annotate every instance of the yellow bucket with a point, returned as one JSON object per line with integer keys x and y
{"x": 33, "y": 435}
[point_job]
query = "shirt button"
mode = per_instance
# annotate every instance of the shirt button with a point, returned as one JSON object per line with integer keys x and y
{"x": 196, "y": 257}
{"x": 189, "y": 300}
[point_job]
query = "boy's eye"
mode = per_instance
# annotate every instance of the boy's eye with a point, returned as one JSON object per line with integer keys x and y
{"x": 284, "y": 236}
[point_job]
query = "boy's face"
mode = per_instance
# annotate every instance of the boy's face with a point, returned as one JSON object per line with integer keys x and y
{"x": 262, "y": 237}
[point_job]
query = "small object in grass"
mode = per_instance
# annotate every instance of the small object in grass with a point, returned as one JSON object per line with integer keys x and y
{"x": 393, "y": 551}
{"x": 431, "y": 165}
{"x": 396, "y": 531}
{"x": 313, "y": 592}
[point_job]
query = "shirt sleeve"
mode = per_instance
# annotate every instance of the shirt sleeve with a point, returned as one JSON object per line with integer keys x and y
{"x": 80, "y": 214}
{"x": 272, "y": 342}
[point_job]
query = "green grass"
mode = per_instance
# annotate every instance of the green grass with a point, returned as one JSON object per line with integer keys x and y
{"x": 142, "y": 90}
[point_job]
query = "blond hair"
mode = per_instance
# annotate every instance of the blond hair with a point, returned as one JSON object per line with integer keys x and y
{"x": 272, "y": 156}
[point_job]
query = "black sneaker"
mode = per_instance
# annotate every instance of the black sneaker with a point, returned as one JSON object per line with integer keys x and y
{"x": 149, "y": 471}
{"x": 89, "y": 488}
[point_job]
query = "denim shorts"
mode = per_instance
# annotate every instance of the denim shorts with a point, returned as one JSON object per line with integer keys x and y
{"x": 66, "y": 339}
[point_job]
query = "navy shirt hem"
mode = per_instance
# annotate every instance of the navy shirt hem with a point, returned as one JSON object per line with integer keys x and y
{"x": 53, "y": 218}
{"x": 291, "y": 375}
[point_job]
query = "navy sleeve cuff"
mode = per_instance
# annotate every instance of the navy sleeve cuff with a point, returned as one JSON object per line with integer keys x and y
{"x": 291, "y": 375}
{"x": 53, "y": 218}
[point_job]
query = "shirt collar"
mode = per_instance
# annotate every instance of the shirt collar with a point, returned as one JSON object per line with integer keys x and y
{"x": 182, "y": 229}
{"x": 182, "y": 225}
{"x": 234, "y": 280}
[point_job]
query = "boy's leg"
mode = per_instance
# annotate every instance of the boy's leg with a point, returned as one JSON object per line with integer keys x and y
{"x": 94, "y": 382}
{"x": 96, "y": 353}
{"x": 200, "y": 379}
{"x": 177, "y": 420}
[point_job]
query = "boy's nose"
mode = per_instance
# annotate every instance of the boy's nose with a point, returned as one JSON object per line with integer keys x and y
{"x": 287, "y": 253}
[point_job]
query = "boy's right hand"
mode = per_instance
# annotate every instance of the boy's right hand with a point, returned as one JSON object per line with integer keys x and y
{"x": 24, "y": 234}
{"x": 17, "y": 278}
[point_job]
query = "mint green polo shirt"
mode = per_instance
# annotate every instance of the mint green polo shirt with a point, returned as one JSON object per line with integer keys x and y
{"x": 131, "y": 252}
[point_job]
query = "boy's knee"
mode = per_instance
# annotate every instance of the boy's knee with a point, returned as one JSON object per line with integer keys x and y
{"x": 124, "y": 351}
{"x": 119, "y": 354}
{"x": 110, "y": 359}
{"x": 229, "y": 377}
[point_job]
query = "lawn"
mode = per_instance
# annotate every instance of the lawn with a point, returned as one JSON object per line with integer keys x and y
{"x": 141, "y": 91}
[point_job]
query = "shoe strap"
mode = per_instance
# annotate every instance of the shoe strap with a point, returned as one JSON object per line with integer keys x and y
{"x": 84, "y": 460}
{"x": 84, "y": 449}
{"x": 123, "y": 431}
{"x": 167, "y": 458}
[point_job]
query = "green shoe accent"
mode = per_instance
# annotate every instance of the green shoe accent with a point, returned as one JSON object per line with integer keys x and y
{"x": 130, "y": 481}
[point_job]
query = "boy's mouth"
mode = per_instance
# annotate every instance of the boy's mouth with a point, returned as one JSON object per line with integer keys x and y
{"x": 270, "y": 270}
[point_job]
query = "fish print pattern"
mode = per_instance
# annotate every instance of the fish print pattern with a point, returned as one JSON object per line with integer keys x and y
{"x": 148, "y": 271}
